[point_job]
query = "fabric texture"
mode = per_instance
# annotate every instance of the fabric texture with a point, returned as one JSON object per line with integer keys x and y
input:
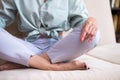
{"x": 42, "y": 18}
{"x": 110, "y": 53}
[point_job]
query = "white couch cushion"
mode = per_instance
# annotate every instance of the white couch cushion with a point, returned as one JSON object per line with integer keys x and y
{"x": 110, "y": 52}
{"x": 100, "y": 70}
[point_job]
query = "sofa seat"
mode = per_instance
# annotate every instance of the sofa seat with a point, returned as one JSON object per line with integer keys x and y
{"x": 108, "y": 52}
{"x": 99, "y": 70}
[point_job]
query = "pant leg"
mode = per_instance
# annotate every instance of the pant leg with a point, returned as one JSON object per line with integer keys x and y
{"x": 70, "y": 47}
{"x": 14, "y": 49}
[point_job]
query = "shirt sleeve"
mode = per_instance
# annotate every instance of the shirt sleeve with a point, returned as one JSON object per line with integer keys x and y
{"x": 78, "y": 13}
{"x": 7, "y": 12}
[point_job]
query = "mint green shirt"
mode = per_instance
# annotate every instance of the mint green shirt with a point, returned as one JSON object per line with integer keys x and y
{"x": 38, "y": 17}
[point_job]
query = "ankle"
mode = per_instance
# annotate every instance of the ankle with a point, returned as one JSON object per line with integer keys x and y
{"x": 55, "y": 67}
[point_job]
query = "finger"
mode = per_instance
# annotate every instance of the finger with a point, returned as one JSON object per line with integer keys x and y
{"x": 84, "y": 31}
{"x": 87, "y": 36}
{"x": 93, "y": 34}
{"x": 93, "y": 25}
{"x": 83, "y": 35}
{"x": 90, "y": 30}
{"x": 94, "y": 31}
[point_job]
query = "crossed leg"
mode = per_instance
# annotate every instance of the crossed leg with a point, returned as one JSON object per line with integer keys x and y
{"x": 42, "y": 62}
{"x": 45, "y": 64}
{"x": 66, "y": 49}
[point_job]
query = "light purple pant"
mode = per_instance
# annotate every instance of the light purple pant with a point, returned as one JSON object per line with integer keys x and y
{"x": 19, "y": 51}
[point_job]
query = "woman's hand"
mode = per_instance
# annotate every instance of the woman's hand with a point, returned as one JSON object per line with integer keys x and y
{"x": 89, "y": 30}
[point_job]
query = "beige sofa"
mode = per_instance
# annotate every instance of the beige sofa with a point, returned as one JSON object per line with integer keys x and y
{"x": 104, "y": 60}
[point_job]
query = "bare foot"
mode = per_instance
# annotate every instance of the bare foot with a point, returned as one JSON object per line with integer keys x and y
{"x": 10, "y": 66}
{"x": 74, "y": 65}
{"x": 2, "y": 63}
{"x": 43, "y": 62}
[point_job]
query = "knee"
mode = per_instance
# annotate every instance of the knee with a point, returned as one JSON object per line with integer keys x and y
{"x": 2, "y": 32}
{"x": 95, "y": 41}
